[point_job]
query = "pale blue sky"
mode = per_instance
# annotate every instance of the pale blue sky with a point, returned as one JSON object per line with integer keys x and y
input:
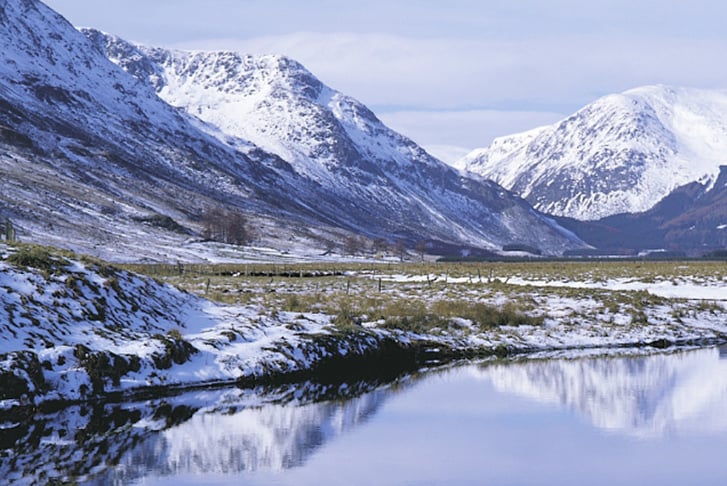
{"x": 448, "y": 73}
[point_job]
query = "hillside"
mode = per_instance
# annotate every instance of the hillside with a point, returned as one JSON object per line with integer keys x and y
{"x": 75, "y": 328}
{"x": 94, "y": 160}
{"x": 381, "y": 184}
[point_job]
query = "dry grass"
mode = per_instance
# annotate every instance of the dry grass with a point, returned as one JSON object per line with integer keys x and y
{"x": 477, "y": 292}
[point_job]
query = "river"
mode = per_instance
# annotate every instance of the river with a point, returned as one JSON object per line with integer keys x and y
{"x": 657, "y": 419}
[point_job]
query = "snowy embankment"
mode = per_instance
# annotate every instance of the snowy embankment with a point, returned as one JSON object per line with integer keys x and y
{"x": 74, "y": 329}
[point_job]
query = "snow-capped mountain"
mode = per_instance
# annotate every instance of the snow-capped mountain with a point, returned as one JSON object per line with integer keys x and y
{"x": 378, "y": 182}
{"x": 692, "y": 218}
{"x": 620, "y": 154}
{"x": 94, "y": 159}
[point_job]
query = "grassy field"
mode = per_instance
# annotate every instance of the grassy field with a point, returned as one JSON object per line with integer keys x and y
{"x": 435, "y": 295}
{"x": 549, "y": 270}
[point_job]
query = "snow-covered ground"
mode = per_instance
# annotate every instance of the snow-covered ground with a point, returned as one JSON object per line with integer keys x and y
{"x": 74, "y": 328}
{"x": 715, "y": 289}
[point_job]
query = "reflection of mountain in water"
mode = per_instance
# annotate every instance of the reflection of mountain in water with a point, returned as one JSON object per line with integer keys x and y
{"x": 683, "y": 393}
{"x": 271, "y": 437}
{"x": 223, "y": 431}
{"x": 233, "y": 430}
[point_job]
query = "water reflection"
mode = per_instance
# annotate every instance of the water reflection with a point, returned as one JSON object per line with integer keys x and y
{"x": 222, "y": 431}
{"x": 242, "y": 432}
{"x": 680, "y": 393}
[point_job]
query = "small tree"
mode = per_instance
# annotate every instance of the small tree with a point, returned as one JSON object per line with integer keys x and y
{"x": 237, "y": 229}
{"x": 421, "y": 248}
{"x": 353, "y": 245}
{"x": 226, "y": 227}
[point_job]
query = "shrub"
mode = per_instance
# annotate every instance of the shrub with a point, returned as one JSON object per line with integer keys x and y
{"x": 421, "y": 323}
{"x": 346, "y": 318}
{"x": 486, "y": 316}
{"x": 162, "y": 221}
{"x": 176, "y": 350}
{"x": 38, "y": 257}
{"x": 174, "y": 334}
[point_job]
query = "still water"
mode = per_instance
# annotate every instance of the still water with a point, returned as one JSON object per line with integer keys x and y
{"x": 659, "y": 419}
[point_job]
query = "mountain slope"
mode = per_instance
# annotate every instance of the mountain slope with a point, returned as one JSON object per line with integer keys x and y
{"x": 622, "y": 153}
{"x": 90, "y": 154}
{"x": 93, "y": 159}
{"x": 692, "y": 218}
{"x": 384, "y": 184}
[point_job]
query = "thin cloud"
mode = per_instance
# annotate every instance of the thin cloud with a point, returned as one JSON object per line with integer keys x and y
{"x": 462, "y": 55}
{"x": 451, "y": 73}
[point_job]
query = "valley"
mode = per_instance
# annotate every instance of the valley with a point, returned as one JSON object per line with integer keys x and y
{"x": 216, "y": 267}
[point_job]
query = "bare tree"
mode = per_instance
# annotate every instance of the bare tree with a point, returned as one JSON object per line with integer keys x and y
{"x": 238, "y": 232}
{"x": 400, "y": 249}
{"x": 421, "y": 248}
{"x": 353, "y": 245}
{"x": 226, "y": 227}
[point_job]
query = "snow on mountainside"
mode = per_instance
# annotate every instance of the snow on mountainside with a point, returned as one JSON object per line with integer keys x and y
{"x": 92, "y": 159}
{"x": 622, "y": 153}
{"x": 383, "y": 184}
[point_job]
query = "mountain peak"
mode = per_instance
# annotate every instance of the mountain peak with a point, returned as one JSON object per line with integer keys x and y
{"x": 622, "y": 153}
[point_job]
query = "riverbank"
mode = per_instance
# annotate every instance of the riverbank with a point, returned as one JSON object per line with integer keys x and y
{"x": 76, "y": 329}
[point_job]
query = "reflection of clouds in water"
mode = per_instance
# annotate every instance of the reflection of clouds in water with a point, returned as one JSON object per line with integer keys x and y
{"x": 667, "y": 394}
